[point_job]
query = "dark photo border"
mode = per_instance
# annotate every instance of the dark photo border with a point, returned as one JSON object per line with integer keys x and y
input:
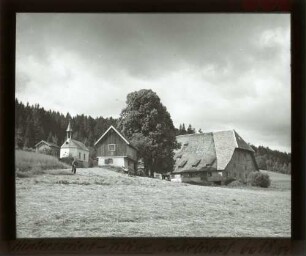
{"x": 205, "y": 246}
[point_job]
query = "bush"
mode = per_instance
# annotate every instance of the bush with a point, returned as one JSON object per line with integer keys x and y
{"x": 259, "y": 179}
{"x": 235, "y": 183}
{"x": 228, "y": 181}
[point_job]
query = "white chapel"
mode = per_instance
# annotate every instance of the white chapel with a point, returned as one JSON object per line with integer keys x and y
{"x": 74, "y": 148}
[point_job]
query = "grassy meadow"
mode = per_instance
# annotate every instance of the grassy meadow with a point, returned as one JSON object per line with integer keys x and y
{"x": 98, "y": 202}
{"x": 32, "y": 163}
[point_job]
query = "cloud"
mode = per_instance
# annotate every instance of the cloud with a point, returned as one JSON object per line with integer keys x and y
{"x": 214, "y": 71}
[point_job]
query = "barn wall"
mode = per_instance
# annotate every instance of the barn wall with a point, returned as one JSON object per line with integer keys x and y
{"x": 240, "y": 165}
{"x": 131, "y": 153}
{"x": 112, "y": 138}
{"x": 129, "y": 164}
{"x": 117, "y": 161}
{"x": 201, "y": 177}
{"x": 193, "y": 177}
{"x": 176, "y": 178}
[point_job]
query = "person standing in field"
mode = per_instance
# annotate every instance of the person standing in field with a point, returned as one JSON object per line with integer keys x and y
{"x": 74, "y": 166}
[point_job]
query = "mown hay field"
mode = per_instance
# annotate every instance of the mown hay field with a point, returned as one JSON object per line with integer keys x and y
{"x": 97, "y": 202}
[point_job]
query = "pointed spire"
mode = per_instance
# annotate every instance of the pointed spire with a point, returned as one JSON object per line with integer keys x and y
{"x": 69, "y": 131}
{"x": 69, "y": 127}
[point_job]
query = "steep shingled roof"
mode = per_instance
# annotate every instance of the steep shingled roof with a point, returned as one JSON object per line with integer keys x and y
{"x": 225, "y": 143}
{"x": 70, "y": 143}
{"x": 199, "y": 152}
{"x": 214, "y": 150}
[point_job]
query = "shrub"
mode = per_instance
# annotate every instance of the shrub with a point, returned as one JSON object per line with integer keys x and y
{"x": 228, "y": 181}
{"x": 235, "y": 183}
{"x": 259, "y": 179}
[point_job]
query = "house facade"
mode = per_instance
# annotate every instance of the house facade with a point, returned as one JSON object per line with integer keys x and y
{"x": 75, "y": 149}
{"x": 113, "y": 149}
{"x": 47, "y": 148}
{"x": 216, "y": 157}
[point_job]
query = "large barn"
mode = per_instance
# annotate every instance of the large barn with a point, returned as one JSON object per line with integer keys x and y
{"x": 113, "y": 149}
{"x": 215, "y": 157}
{"x": 75, "y": 149}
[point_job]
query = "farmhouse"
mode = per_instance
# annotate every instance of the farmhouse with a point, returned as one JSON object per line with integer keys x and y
{"x": 74, "y": 148}
{"x": 113, "y": 149}
{"x": 47, "y": 148}
{"x": 215, "y": 157}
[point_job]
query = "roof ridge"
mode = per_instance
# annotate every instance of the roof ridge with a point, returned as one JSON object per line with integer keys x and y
{"x": 112, "y": 127}
{"x": 194, "y": 134}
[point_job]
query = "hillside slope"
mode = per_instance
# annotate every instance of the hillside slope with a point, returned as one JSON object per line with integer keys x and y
{"x": 101, "y": 203}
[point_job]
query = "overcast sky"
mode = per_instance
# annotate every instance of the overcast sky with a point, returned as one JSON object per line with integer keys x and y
{"x": 214, "y": 71}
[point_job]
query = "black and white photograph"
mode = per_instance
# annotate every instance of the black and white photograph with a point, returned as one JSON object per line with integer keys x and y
{"x": 153, "y": 125}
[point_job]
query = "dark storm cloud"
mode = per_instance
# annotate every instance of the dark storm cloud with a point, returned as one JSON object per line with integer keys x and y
{"x": 213, "y": 71}
{"x": 151, "y": 43}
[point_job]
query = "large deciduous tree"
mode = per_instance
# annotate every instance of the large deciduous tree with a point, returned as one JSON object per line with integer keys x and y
{"x": 146, "y": 122}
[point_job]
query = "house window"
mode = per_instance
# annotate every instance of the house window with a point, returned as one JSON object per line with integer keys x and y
{"x": 79, "y": 155}
{"x": 111, "y": 147}
{"x": 209, "y": 174}
{"x": 84, "y": 157}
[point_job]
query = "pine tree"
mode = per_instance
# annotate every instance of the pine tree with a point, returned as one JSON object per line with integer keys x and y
{"x": 183, "y": 132}
{"x": 49, "y": 139}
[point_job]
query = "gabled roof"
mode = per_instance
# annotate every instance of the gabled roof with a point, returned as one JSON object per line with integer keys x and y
{"x": 199, "y": 152}
{"x": 241, "y": 143}
{"x": 112, "y": 128}
{"x": 214, "y": 150}
{"x": 70, "y": 143}
{"x": 225, "y": 143}
{"x": 47, "y": 143}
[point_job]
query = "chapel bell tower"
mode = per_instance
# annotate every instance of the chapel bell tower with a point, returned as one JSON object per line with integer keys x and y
{"x": 69, "y": 131}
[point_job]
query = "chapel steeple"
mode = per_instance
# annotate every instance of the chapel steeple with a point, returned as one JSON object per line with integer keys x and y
{"x": 69, "y": 131}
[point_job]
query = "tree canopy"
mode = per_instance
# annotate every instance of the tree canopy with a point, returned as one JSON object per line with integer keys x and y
{"x": 146, "y": 122}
